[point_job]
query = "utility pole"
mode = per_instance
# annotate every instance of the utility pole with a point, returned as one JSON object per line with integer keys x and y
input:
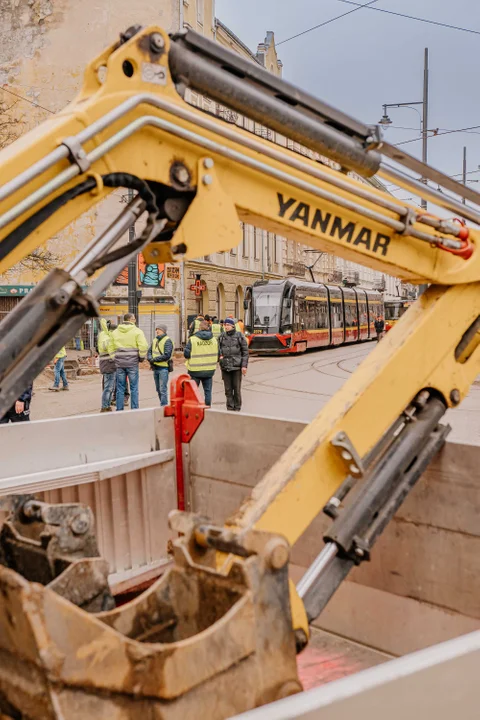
{"x": 132, "y": 270}
{"x": 423, "y": 202}
{"x": 425, "y": 118}
{"x": 464, "y": 179}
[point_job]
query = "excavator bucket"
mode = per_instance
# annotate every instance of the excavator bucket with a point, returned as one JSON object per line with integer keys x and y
{"x": 200, "y": 642}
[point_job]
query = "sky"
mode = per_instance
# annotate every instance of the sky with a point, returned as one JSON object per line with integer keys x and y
{"x": 368, "y": 58}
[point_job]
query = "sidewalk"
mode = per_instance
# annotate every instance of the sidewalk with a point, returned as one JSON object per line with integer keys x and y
{"x": 84, "y": 396}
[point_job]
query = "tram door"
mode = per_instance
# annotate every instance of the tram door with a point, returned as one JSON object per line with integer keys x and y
{"x": 336, "y": 314}
{"x": 362, "y": 313}
{"x": 351, "y": 314}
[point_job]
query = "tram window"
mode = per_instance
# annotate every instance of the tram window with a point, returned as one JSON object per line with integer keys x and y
{"x": 362, "y": 311}
{"x": 350, "y": 316}
{"x": 322, "y": 317}
{"x": 302, "y": 310}
{"x": 337, "y": 314}
{"x": 311, "y": 320}
{"x": 286, "y": 321}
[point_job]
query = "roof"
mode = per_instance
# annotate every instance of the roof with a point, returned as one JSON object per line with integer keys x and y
{"x": 218, "y": 23}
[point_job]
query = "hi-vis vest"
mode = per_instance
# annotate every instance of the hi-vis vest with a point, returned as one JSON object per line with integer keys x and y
{"x": 160, "y": 350}
{"x": 196, "y": 325}
{"x": 216, "y": 330}
{"x": 238, "y": 327}
{"x": 204, "y": 355}
{"x": 61, "y": 353}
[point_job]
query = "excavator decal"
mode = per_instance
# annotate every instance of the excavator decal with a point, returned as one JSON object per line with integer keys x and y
{"x": 376, "y": 242}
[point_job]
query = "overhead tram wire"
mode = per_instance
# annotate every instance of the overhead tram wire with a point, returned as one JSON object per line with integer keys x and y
{"x": 412, "y": 17}
{"x": 327, "y": 22}
{"x": 446, "y": 132}
{"x": 368, "y": 6}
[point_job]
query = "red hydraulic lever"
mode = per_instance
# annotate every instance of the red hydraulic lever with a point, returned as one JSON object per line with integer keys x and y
{"x": 188, "y": 410}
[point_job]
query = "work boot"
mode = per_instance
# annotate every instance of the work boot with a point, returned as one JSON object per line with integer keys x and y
{"x": 109, "y": 409}
{"x": 66, "y": 387}
{"x": 55, "y": 389}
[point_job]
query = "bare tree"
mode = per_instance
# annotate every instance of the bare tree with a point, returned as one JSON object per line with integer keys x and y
{"x": 11, "y": 127}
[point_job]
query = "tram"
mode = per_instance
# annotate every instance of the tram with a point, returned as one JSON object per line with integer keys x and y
{"x": 394, "y": 309}
{"x": 291, "y": 315}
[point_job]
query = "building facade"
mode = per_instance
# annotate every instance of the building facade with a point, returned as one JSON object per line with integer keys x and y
{"x": 40, "y": 74}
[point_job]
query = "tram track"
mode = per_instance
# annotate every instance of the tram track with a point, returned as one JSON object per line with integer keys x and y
{"x": 319, "y": 365}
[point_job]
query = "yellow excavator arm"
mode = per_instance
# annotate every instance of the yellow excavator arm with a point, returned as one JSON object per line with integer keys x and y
{"x": 195, "y": 177}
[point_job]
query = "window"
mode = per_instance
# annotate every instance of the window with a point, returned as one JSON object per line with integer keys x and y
{"x": 256, "y": 244}
{"x": 239, "y": 302}
{"x": 220, "y": 301}
{"x": 245, "y": 240}
{"x": 270, "y": 237}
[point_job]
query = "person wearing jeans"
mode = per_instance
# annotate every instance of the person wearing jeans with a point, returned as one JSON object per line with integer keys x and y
{"x": 160, "y": 356}
{"x": 201, "y": 353}
{"x": 59, "y": 371}
{"x": 107, "y": 363}
{"x": 132, "y": 373}
{"x": 130, "y": 348}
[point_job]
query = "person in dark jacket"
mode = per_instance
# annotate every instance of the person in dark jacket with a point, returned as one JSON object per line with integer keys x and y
{"x": 201, "y": 353}
{"x": 20, "y": 412}
{"x": 159, "y": 355}
{"x": 107, "y": 363}
{"x": 379, "y": 328}
{"x": 233, "y": 353}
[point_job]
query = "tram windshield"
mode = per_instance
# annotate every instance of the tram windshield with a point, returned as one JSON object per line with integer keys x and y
{"x": 266, "y": 308}
{"x": 394, "y": 311}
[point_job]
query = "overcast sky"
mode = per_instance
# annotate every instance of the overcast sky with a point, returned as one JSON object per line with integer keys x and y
{"x": 368, "y": 58}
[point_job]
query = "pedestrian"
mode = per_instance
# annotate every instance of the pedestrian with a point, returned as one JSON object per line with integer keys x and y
{"x": 59, "y": 371}
{"x": 195, "y": 325}
{"x": 233, "y": 353}
{"x": 379, "y": 327}
{"x": 130, "y": 347}
{"x": 106, "y": 352}
{"x": 20, "y": 412}
{"x": 238, "y": 324}
{"x": 216, "y": 328}
{"x": 201, "y": 353}
{"x": 160, "y": 358}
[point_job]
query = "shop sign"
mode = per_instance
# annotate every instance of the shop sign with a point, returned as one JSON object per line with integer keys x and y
{"x": 12, "y": 290}
{"x": 173, "y": 272}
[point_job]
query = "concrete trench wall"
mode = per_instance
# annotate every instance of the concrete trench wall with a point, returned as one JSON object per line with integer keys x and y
{"x": 421, "y": 587}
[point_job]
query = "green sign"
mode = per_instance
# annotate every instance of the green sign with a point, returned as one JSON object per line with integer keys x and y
{"x": 12, "y": 290}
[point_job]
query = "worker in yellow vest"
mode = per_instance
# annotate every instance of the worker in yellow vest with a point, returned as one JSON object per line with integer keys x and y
{"x": 195, "y": 325}
{"x": 201, "y": 354}
{"x": 59, "y": 371}
{"x": 160, "y": 358}
{"x": 216, "y": 328}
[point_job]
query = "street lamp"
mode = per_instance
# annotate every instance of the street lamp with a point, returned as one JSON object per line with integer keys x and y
{"x": 385, "y": 120}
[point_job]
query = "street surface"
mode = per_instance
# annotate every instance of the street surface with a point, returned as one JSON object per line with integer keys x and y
{"x": 290, "y": 387}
